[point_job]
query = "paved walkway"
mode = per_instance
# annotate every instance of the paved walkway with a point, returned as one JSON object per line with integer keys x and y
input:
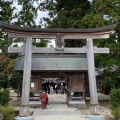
{"x": 58, "y": 110}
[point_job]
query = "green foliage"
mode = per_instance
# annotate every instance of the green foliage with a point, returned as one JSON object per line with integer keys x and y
{"x": 6, "y": 15}
{"x": 116, "y": 112}
{"x": 103, "y": 13}
{"x": 93, "y": 20}
{"x": 65, "y": 14}
{"x": 4, "y": 70}
{"x": 15, "y": 79}
{"x": 4, "y": 97}
{"x": 115, "y": 102}
{"x": 41, "y": 43}
{"x": 108, "y": 82}
{"x": 26, "y": 16}
{"x": 6, "y": 12}
{"x": 7, "y": 112}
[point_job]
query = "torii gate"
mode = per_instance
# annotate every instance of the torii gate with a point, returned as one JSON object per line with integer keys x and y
{"x": 59, "y": 34}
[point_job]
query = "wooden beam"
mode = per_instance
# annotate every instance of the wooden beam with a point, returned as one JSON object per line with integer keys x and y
{"x": 66, "y": 36}
{"x": 53, "y": 50}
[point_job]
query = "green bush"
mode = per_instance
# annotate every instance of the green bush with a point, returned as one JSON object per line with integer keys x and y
{"x": 116, "y": 112}
{"x": 115, "y": 102}
{"x": 4, "y": 97}
{"x": 8, "y": 112}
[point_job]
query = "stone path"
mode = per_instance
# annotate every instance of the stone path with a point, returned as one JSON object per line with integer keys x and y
{"x": 56, "y": 103}
{"x": 58, "y": 110}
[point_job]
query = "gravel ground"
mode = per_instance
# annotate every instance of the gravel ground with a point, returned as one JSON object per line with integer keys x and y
{"x": 104, "y": 110}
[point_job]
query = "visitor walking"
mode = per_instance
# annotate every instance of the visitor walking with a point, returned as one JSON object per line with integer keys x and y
{"x": 44, "y": 99}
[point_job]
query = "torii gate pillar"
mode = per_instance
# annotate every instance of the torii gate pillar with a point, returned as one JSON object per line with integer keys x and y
{"x": 0, "y": 51}
{"x": 94, "y": 108}
{"x": 24, "y": 107}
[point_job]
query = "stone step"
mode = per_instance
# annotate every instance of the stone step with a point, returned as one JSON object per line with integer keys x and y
{"x": 59, "y": 114}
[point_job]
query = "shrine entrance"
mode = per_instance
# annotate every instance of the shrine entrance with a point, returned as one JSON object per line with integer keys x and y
{"x": 68, "y": 72}
{"x": 59, "y": 34}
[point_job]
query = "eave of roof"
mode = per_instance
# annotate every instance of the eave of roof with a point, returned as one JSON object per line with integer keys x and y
{"x": 10, "y": 27}
{"x": 54, "y": 64}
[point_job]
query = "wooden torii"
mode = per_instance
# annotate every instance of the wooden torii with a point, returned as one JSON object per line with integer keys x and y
{"x": 0, "y": 51}
{"x": 59, "y": 34}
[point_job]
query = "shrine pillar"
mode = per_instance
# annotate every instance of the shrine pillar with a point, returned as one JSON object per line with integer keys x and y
{"x": 24, "y": 106}
{"x": 94, "y": 107}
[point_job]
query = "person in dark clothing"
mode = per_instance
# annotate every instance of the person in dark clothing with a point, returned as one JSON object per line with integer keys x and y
{"x": 56, "y": 88}
{"x": 62, "y": 89}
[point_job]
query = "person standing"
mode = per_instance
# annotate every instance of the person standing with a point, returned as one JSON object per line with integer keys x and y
{"x": 65, "y": 88}
{"x": 56, "y": 88}
{"x": 62, "y": 89}
{"x": 51, "y": 89}
{"x": 48, "y": 89}
{"x": 44, "y": 99}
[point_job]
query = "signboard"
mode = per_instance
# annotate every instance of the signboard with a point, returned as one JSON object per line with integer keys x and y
{"x": 32, "y": 85}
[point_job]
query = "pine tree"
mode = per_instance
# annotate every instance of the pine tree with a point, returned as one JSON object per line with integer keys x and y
{"x": 27, "y": 15}
{"x": 102, "y": 13}
{"x": 65, "y": 13}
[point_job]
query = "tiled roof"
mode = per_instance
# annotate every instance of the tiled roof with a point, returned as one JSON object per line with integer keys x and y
{"x": 54, "y": 64}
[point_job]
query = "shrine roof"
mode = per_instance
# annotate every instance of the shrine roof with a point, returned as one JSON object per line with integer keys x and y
{"x": 11, "y": 27}
{"x": 75, "y": 63}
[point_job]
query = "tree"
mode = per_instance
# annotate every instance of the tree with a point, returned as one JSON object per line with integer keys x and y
{"x": 3, "y": 70}
{"x": 27, "y": 15}
{"x": 6, "y": 11}
{"x": 6, "y": 15}
{"x": 102, "y": 13}
{"x": 65, "y": 14}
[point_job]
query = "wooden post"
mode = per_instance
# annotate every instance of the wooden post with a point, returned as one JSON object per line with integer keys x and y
{"x": 0, "y": 51}
{"x": 94, "y": 108}
{"x": 24, "y": 107}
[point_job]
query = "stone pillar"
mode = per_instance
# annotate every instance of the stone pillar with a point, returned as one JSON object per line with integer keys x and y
{"x": 94, "y": 108}
{"x": 0, "y": 51}
{"x": 24, "y": 107}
